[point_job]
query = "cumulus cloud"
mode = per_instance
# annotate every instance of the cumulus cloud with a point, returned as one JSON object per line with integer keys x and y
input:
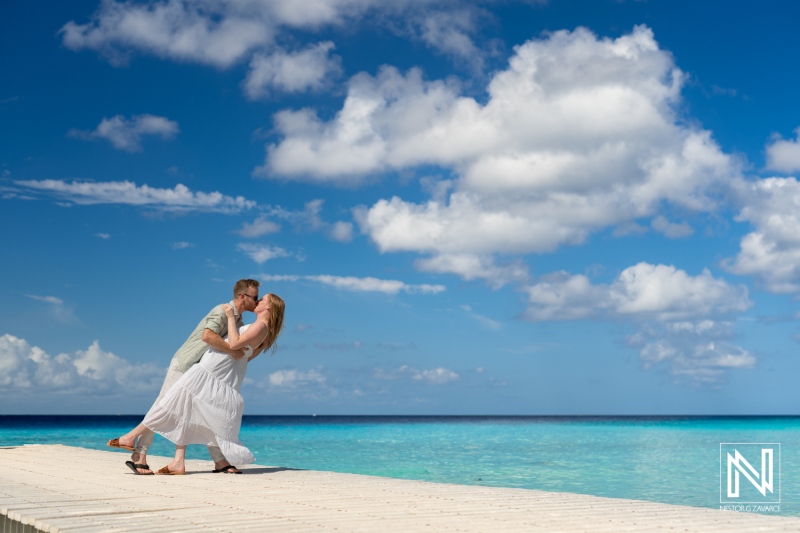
{"x": 432, "y": 376}
{"x": 127, "y": 134}
{"x": 578, "y": 134}
{"x": 178, "y": 199}
{"x": 218, "y": 33}
{"x": 660, "y": 291}
{"x": 261, "y": 253}
{"x": 771, "y": 253}
{"x": 223, "y": 32}
{"x": 26, "y": 368}
{"x": 366, "y": 284}
{"x": 783, "y": 155}
{"x": 679, "y": 316}
{"x": 307, "y": 70}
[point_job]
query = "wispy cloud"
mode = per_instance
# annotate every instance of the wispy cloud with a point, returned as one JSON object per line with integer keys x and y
{"x": 182, "y": 245}
{"x": 126, "y": 134}
{"x": 61, "y": 312}
{"x": 260, "y": 226}
{"x": 261, "y": 253}
{"x": 431, "y": 376}
{"x": 483, "y": 320}
{"x": 293, "y": 378}
{"x": 367, "y": 284}
{"x": 178, "y": 199}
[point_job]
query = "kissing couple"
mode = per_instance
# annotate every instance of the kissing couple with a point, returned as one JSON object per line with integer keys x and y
{"x": 200, "y": 402}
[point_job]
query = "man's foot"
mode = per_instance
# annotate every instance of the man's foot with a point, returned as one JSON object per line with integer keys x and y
{"x": 140, "y": 469}
{"x": 229, "y": 469}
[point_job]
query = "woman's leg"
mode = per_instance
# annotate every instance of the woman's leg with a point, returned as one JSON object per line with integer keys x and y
{"x": 178, "y": 465}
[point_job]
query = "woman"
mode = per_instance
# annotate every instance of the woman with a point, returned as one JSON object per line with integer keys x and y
{"x": 205, "y": 406}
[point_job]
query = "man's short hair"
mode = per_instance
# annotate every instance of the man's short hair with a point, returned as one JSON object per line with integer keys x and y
{"x": 242, "y": 285}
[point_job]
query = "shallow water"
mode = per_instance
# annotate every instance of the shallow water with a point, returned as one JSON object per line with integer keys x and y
{"x": 663, "y": 459}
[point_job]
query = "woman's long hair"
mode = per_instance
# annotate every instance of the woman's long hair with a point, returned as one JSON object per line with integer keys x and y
{"x": 275, "y": 322}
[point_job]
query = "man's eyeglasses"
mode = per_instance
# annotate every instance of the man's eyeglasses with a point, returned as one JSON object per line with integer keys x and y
{"x": 255, "y": 299}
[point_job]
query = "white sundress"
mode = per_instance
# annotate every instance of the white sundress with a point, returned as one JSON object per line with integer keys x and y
{"x": 205, "y": 407}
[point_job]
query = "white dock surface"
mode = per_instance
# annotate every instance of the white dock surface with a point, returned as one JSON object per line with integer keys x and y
{"x": 61, "y": 488}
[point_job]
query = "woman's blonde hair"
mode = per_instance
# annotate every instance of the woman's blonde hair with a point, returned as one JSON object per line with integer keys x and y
{"x": 275, "y": 322}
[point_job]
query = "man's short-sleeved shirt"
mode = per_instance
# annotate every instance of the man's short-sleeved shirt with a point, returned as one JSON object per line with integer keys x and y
{"x": 193, "y": 349}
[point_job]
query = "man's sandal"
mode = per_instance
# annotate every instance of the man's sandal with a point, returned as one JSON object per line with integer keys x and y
{"x": 226, "y": 470}
{"x": 136, "y": 467}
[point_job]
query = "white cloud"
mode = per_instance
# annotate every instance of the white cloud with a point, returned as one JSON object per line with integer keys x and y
{"x": 216, "y": 32}
{"x": 182, "y": 245}
{"x": 366, "y": 284}
{"x": 433, "y": 376}
{"x": 577, "y": 134}
{"x": 449, "y": 32}
{"x": 127, "y": 134}
{"x": 49, "y": 299}
{"x": 483, "y": 320}
{"x": 342, "y": 231}
{"x": 27, "y": 368}
{"x": 260, "y": 226}
{"x": 671, "y": 230}
{"x": 58, "y": 309}
{"x": 104, "y": 236}
{"x": 179, "y": 198}
{"x": 293, "y": 379}
{"x": 307, "y": 70}
{"x": 224, "y": 32}
{"x": 772, "y": 251}
{"x": 783, "y": 155}
{"x": 308, "y": 219}
{"x": 658, "y": 291}
{"x": 261, "y": 253}
{"x": 697, "y": 350}
{"x": 677, "y": 315}
{"x": 470, "y": 267}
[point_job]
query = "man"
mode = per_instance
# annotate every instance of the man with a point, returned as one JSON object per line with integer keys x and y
{"x": 209, "y": 332}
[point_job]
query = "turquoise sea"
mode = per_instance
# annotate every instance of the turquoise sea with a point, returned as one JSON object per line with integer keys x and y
{"x": 662, "y": 459}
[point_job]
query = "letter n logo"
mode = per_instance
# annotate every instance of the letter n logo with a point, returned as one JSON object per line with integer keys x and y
{"x": 755, "y": 462}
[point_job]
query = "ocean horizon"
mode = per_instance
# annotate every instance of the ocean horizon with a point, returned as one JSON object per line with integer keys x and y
{"x": 667, "y": 458}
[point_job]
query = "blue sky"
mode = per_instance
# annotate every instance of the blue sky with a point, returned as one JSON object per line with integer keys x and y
{"x": 555, "y": 207}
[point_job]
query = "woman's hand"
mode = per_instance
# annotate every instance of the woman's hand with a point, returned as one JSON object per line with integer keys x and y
{"x": 228, "y": 310}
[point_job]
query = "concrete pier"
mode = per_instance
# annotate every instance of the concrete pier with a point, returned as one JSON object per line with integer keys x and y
{"x": 57, "y": 488}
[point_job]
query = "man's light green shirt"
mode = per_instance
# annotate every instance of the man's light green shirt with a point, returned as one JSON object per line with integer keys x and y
{"x": 194, "y": 347}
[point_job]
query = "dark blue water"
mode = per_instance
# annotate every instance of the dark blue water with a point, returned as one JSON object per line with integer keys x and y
{"x": 663, "y": 459}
